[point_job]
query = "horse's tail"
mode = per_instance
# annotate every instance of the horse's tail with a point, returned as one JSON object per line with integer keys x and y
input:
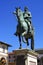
{"x": 23, "y": 39}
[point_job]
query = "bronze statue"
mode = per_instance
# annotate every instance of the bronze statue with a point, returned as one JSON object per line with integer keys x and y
{"x": 24, "y": 28}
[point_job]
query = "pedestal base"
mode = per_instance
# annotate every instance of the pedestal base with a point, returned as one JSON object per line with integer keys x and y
{"x": 26, "y": 57}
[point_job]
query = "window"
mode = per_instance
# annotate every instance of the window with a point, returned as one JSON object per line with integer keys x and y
{"x": 32, "y": 63}
{"x": 11, "y": 60}
{"x": 9, "y": 56}
{"x": 3, "y": 48}
{"x": 14, "y": 56}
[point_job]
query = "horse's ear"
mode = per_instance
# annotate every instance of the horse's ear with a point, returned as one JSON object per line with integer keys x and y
{"x": 15, "y": 7}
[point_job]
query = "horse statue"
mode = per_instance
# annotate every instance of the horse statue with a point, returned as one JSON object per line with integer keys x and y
{"x": 23, "y": 29}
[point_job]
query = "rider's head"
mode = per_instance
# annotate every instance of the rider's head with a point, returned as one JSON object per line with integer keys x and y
{"x": 25, "y": 9}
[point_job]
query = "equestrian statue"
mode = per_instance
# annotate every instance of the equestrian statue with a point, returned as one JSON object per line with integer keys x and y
{"x": 24, "y": 29}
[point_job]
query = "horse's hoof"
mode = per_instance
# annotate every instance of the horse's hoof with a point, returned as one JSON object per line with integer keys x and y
{"x": 20, "y": 48}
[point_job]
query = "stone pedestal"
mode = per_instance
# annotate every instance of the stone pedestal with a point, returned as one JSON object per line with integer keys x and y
{"x": 26, "y": 57}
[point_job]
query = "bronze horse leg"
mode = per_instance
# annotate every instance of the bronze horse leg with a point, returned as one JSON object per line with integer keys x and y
{"x": 20, "y": 41}
{"x": 32, "y": 43}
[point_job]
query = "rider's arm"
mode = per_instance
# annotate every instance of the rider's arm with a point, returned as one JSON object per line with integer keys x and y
{"x": 14, "y": 12}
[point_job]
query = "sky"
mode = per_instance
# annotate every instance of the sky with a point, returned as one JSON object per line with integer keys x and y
{"x": 8, "y": 22}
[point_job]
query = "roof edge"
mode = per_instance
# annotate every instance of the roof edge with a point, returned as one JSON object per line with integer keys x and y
{"x": 6, "y": 44}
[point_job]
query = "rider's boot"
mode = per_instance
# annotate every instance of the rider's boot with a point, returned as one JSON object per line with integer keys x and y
{"x": 15, "y": 33}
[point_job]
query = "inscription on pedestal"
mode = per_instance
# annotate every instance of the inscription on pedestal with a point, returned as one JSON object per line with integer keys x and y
{"x": 32, "y": 63}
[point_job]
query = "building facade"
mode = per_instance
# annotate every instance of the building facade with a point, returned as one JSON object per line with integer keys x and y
{"x": 11, "y": 57}
{"x": 40, "y": 56}
{"x": 4, "y": 51}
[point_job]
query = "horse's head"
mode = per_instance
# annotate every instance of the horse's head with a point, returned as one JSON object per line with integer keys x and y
{"x": 18, "y": 11}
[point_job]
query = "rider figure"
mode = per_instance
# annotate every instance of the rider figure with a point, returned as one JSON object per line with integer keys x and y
{"x": 27, "y": 17}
